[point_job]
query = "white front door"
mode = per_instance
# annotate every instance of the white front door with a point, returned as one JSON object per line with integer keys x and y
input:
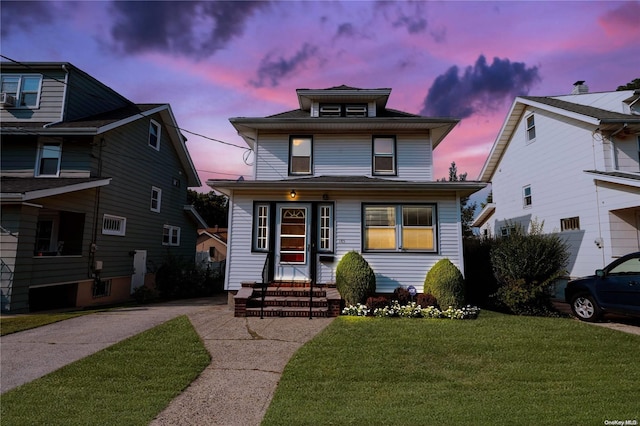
{"x": 139, "y": 269}
{"x": 292, "y": 258}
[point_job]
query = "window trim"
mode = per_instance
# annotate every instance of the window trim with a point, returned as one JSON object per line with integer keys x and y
{"x": 399, "y": 226}
{"x": 39, "y": 158}
{"x": 291, "y": 139}
{"x": 158, "y": 199}
{"x": 529, "y": 128}
{"x": 153, "y": 123}
{"x": 394, "y": 156}
{"x": 170, "y": 235}
{"x": 527, "y": 200}
{"x": 256, "y": 238}
{"x": 20, "y": 92}
{"x": 122, "y": 229}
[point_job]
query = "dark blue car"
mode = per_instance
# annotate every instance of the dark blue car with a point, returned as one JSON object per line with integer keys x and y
{"x": 614, "y": 289}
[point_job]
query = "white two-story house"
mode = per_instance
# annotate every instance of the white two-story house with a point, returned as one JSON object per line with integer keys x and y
{"x": 343, "y": 172}
{"x": 571, "y": 162}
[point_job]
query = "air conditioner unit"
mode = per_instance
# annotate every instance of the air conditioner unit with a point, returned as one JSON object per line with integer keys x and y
{"x": 7, "y": 99}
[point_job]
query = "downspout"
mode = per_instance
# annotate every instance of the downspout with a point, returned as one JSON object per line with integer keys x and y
{"x": 94, "y": 238}
{"x": 63, "y": 110}
{"x": 598, "y": 241}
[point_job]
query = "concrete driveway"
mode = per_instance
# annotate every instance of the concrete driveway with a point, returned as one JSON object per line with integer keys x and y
{"x": 31, "y": 354}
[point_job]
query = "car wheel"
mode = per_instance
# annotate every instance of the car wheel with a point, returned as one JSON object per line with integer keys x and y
{"x": 585, "y": 308}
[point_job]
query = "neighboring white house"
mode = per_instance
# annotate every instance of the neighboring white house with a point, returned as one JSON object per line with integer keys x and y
{"x": 571, "y": 162}
{"x": 343, "y": 172}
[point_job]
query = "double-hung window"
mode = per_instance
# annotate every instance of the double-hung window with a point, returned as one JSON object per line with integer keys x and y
{"x": 156, "y": 199}
{"x": 527, "y": 200}
{"x": 24, "y": 90}
{"x": 170, "y": 235}
{"x": 154, "y": 135}
{"x": 531, "y": 128}
{"x": 384, "y": 155}
{"x": 48, "y": 162}
{"x": 399, "y": 227}
{"x": 300, "y": 155}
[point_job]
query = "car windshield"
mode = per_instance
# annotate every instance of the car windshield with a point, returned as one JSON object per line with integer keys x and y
{"x": 630, "y": 266}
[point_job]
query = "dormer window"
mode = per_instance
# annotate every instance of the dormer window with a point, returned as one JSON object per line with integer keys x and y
{"x": 21, "y": 91}
{"x": 332, "y": 110}
{"x": 343, "y": 110}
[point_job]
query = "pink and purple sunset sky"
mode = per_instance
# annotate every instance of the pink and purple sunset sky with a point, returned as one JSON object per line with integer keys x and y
{"x": 214, "y": 60}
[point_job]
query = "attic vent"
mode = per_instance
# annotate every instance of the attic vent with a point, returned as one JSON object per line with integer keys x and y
{"x": 356, "y": 110}
{"x": 579, "y": 88}
{"x": 330, "y": 110}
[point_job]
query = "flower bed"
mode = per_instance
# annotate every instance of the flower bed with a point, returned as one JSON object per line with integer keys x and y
{"x": 413, "y": 310}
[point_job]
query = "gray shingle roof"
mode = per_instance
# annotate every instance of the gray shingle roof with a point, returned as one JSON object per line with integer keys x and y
{"x": 598, "y": 113}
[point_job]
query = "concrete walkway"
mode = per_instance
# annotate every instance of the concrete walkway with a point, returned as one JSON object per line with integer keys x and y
{"x": 248, "y": 356}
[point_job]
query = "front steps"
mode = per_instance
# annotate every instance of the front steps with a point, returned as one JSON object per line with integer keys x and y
{"x": 287, "y": 299}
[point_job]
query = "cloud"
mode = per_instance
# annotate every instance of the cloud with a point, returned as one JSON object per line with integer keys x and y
{"x": 480, "y": 88}
{"x": 622, "y": 21}
{"x": 271, "y": 71}
{"x": 24, "y": 15}
{"x": 195, "y": 29}
{"x": 399, "y": 17}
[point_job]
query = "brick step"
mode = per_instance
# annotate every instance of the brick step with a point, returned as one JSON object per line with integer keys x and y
{"x": 278, "y": 311}
{"x": 289, "y": 292}
{"x": 287, "y": 301}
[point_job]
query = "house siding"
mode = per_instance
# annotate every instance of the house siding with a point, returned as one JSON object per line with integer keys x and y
{"x": 392, "y": 269}
{"x": 347, "y": 155}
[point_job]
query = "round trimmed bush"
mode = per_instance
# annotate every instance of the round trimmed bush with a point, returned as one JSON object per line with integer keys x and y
{"x": 445, "y": 282}
{"x": 355, "y": 279}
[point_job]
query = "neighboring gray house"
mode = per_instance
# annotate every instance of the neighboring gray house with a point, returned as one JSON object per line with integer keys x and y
{"x": 93, "y": 189}
{"x": 343, "y": 172}
{"x": 573, "y": 162}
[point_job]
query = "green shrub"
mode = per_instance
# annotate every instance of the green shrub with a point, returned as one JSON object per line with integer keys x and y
{"x": 525, "y": 266}
{"x": 179, "y": 278}
{"x": 355, "y": 279}
{"x": 445, "y": 282}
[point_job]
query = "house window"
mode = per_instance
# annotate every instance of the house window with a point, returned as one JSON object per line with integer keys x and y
{"x": 59, "y": 233}
{"x": 330, "y": 110}
{"x": 325, "y": 228}
{"x": 399, "y": 227}
{"x": 384, "y": 152}
{"x": 114, "y": 225}
{"x": 570, "y": 224}
{"x": 531, "y": 128}
{"x": 357, "y": 110}
{"x": 156, "y": 199}
{"x": 261, "y": 227}
{"x": 526, "y": 196}
{"x": 101, "y": 288}
{"x": 48, "y": 161}
{"x": 507, "y": 230}
{"x": 170, "y": 235}
{"x": 300, "y": 148}
{"x": 23, "y": 89}
{"x": 154, "y": 135}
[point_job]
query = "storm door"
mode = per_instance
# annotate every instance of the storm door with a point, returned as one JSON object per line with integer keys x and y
{"x": 292, "y": 258}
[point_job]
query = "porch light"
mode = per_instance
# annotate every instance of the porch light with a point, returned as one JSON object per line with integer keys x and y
{"x": 293, "y": 193}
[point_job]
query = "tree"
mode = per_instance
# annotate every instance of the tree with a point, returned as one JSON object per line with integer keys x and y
{"x": 634, "y": 84}
{"x": 213, "y": 208}
{"x": 466, "y": 211}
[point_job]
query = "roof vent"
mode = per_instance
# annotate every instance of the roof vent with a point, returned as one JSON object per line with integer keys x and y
{"x": 579, "y": 88}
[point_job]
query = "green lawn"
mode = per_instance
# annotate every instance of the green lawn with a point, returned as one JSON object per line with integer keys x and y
{"x": 496, "y": 370}
{"x": 128, "y": 383}
{"x": 13, "y": 324}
